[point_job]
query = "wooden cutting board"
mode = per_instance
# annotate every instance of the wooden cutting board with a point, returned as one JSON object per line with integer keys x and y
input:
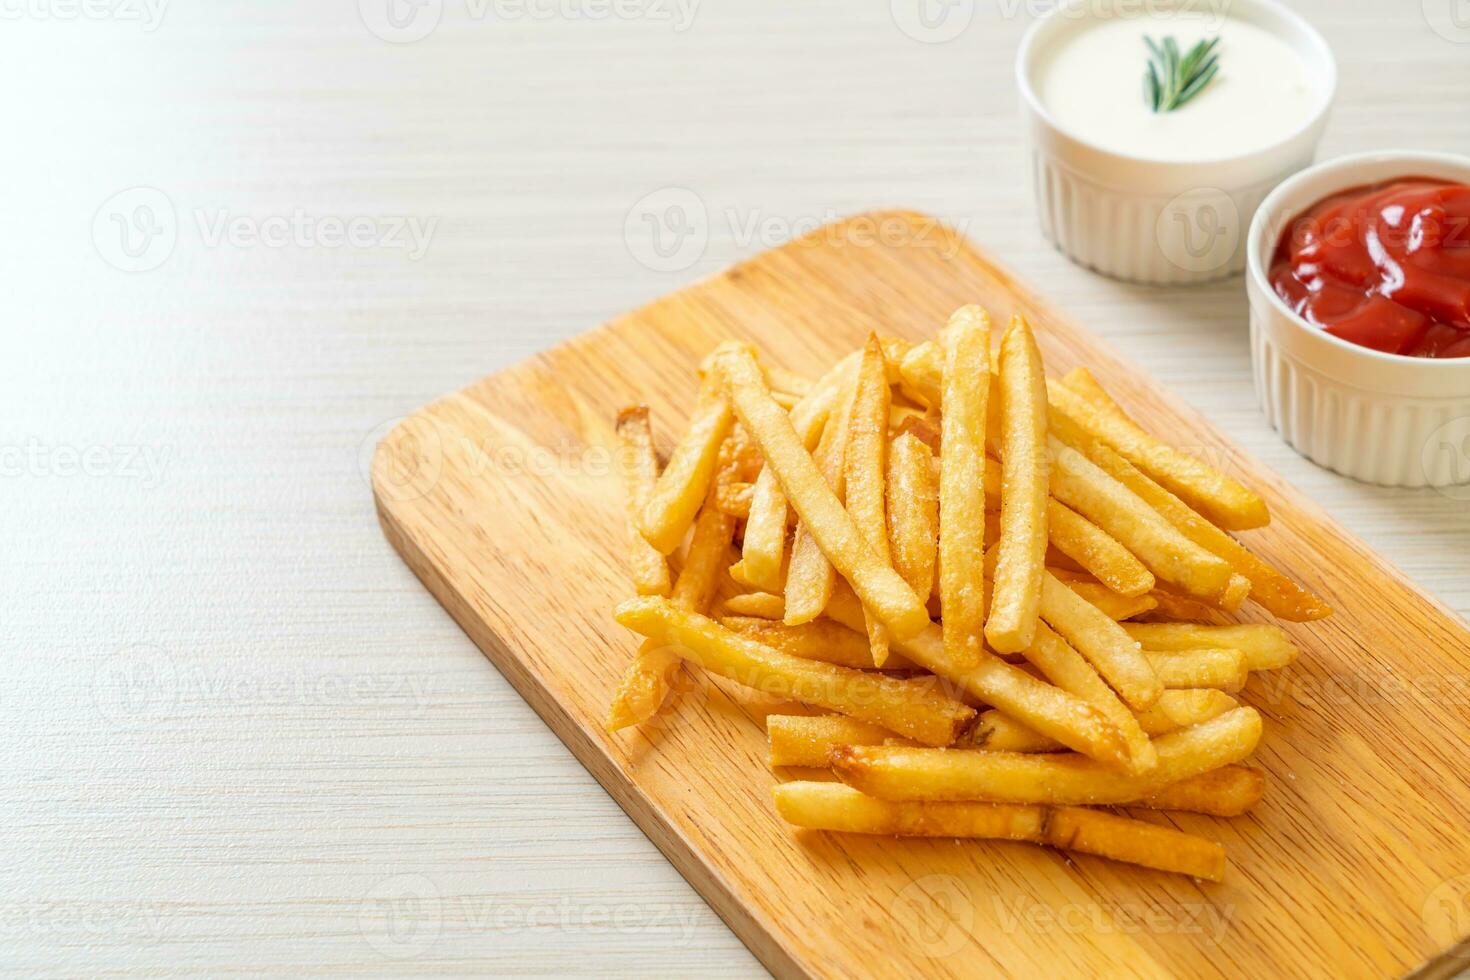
{"x": 503, "y": 500}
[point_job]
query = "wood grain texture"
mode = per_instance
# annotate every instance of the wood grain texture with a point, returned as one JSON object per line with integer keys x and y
{"x": 503, "y": 500}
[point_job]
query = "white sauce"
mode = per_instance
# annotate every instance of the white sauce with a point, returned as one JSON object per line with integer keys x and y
{"x": 1092, "y": 84}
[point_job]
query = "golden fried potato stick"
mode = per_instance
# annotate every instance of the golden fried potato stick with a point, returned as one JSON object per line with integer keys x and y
{"x": 761, "y": 605}
{"x": 1225, "y": 501}
{"x": 966, "y": 398}
{"x": 646, "y": 681}
{"x": 822, "y": 639}
{"x": 1178, "y": 709}
{"x": 1096, "y": 551}
{"x": 1025, "y": 492}
{"x": 918, "y": 775}
{"x": 834, "y": 807}
{"x": 638, "y": 466}
{"x": 1223, "y": 670}
{"x": 1172, "y": 605}
{"x": 807, "y": 740}
{"x": 912, "y": 708}
{"x": 685, "y": 481}
{"x": 881, "y": 588}
{"x": 1066, "y": 668}
{"x": 734, "y": 498}
{"x": 764, "y": 546}
{"x": 913, "y": 511}
{"x": 1102, "y": 641}
{"x": 1117, "y": 607}
{"x": 1047, "y": 709}
{"x": 1267, "y": 586}
{"x": 1079, "y": 483}
{"x": 1265, "y": 647}
{"x": 810, "y": 575}
{"x": 997, "y": 731}
{"x": 922, "y": 370}
{"x": 1226, "y": 792}
{"x": 863, "y": 465}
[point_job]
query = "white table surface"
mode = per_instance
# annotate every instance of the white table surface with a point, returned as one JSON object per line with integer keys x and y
{"x": 239, "y": 736}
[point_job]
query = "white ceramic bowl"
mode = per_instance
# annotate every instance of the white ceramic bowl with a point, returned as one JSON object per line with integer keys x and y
{"x": 1381, "y": 418}
{"x": 1152, "y": 221}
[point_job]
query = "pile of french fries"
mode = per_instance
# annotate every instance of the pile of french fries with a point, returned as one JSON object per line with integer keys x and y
{"x": 1003, "y": 595}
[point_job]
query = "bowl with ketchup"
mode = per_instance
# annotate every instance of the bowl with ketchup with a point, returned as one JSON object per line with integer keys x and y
{"x": 1358, "y": 271}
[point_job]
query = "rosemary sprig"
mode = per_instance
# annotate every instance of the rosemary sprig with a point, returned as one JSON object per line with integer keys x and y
{"x": 1173, "y": 80}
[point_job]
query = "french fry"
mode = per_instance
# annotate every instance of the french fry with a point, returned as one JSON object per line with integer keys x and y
{"x": 685, "y": 481}
{"x": 734, "y": 498}
{"x": 638, "y": 466}
{"x": 1102, "y": 641}
{"x": 764, "y": 546}
{"x": 1016, "y": 598}
{"x": 807, "y": 740}
{"x": 879, "y": 586}
{"x": 1117, "y": 607}
{"x": 1047, "y": 709}
{"x": 922, "y": 370}
{"x": 911, "y": 708}
{"x": 1066, "y": 668}
{"x": 823, "y": 639}
{"x": 1223, "y": 670}
{"x": 810, "y": 575}
{"x": 1182, "y": 708}
{"x": 1225, "y": 792}
{"x": 1265, "y": 647}
{"x": 1079, "y": 483}
{"x": 1225, "y": 501}
{"x": 762, "y": 605}
{"x": 913, "y": 511}
{"x": 1096, "y": 551}
{"x": 646, "y": 681}
{"x": 997, "y": 731}
{"x": 1267, "y": 586}
{"x": 928, "y": 775}
{"x": 1172, "y": 605}
{"x": 834, "y": 807}
{"x": 864, "y": 463}
{"x": 966, "y": 396}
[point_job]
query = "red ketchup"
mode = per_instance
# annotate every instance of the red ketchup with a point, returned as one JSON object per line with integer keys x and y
{"x": 1385, "y": 266}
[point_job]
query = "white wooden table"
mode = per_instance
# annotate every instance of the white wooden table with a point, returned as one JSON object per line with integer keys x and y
{"x": 239, "y": 736}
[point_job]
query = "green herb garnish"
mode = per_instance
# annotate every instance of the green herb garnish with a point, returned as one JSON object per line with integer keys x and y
{"x": 1171, "y": 80}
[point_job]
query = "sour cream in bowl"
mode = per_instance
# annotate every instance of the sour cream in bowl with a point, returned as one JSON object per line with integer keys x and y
{"x": 1138, "y": 183}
